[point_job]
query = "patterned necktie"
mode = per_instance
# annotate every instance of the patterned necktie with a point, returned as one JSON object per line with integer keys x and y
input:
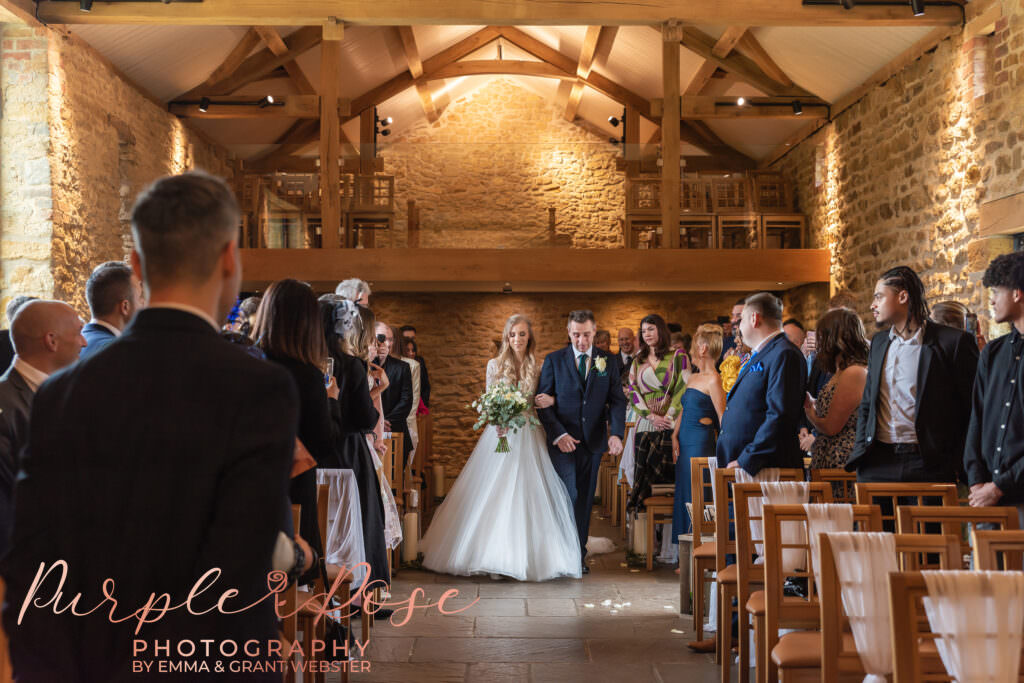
{"x": 583, "y": 367}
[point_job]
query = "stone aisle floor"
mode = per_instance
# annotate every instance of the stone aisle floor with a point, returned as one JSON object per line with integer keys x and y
{"x": 559, "y": 631}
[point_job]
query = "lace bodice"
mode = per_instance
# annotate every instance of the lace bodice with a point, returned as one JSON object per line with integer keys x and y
{"x": 527, "y": 385}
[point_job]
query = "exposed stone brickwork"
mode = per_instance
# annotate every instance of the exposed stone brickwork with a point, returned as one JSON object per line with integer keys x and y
{"x": 899, "y": 177}
{"x": 457, "y": 334}
{"x": 487, "y": 172}
{"x": 26, "y": 200}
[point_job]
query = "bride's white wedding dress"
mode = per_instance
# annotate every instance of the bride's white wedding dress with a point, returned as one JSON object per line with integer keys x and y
{"x": 507, "y": 513}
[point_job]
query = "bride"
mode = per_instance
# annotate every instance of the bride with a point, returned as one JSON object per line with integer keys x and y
{"x": 507, "y": 513}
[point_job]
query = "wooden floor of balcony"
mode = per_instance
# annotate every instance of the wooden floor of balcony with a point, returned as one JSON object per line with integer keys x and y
{"x": 541, "y": 270}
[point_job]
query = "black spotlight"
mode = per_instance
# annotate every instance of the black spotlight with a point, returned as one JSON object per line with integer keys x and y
{"x": 85, "y": 5}
{"x": 614, "y": 120}
{"x": 917, "y": 6}
{"x": 798, "y": 109}
{"x": 848, "y": 4}
{"x": 386, "y": 132}
{"x": 614, "y": 141}
{"x": 204, "y": 104}
{"x": 266, "y": 101}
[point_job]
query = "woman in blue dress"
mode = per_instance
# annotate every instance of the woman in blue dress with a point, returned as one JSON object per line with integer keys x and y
{"x": 696, "y": 428}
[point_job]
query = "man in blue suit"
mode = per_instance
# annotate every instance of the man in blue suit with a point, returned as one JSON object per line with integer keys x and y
{"x": 114, "y": 294}
{"x": 583, "y": 382}
{"x": 764, "y": 407}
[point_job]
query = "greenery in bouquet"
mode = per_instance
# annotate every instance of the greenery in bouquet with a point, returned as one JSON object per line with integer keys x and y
{"x": 505, "y": 407}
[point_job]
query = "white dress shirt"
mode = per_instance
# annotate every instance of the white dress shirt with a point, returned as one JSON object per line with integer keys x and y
{"x": 33, "y": 376}
{"x": 103, "y": 323}
{"x": 897, "y": 389}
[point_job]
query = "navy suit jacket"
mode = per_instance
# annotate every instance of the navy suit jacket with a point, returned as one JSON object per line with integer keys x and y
{"x": 764, "y": 408}
{"x": 96, "y": 337}
{"x": 581, "y": 410}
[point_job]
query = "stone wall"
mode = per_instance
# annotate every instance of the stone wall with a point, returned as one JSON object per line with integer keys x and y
{"x": 108, "y": 142}
{"x": 456, "y": 334}
{"x": 26, "y": 199}
{"x": 487, "y": 172}
{"x": 898, "y": 177}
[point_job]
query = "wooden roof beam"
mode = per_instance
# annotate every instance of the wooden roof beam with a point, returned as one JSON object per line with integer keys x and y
{"x": 588, "y": 51}
{"x": 264, "y": 62}
{"x": 273, "y": 41}
{"x": 511, "y": 13}
{"x": 229, "y": 66}
{"x": 412, "y": 58}
{"x": 750, "y": 46}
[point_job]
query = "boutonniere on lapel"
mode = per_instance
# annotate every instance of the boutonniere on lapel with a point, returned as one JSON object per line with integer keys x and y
{"x": 601, "y": 364}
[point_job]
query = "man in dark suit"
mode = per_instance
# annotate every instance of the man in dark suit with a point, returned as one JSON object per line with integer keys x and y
{"x": 47, "y": 336}
{"x": 154, "y": 462}
{"x": 627, "y": 349}
{"x": 408, "y": 333}
{"x": 765, "y": 405}
{"x": 6, "y": 342}
{"x": 913, "y": 417}
{"x": 114, "y": 294}
{"x": 588, "y": 400}
{"x": 396, "y": 401}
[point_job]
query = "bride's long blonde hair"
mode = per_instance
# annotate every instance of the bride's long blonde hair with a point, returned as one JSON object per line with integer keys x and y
{"x": 508, "y": 365}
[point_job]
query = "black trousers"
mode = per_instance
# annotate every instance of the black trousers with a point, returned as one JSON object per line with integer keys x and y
{"x": 902, "y": 463}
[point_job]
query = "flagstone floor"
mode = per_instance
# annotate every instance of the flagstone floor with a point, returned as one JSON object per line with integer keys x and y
{"x": 614, "y": 624}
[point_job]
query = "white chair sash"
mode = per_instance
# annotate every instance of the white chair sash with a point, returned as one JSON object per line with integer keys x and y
{"x": 754, "y": 505}
{"x": 864, "y": 561}
{"x": 344, "y": 522}
{"x": 979, "y": 618}
{"x": 792, "y": 533}
{"x": 823, "y": 518}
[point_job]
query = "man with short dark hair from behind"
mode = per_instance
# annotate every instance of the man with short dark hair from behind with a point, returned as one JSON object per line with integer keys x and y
{"x": 170, "y": 452}
{"x": 994, "y": 454}
{"x": 114, "y": 294}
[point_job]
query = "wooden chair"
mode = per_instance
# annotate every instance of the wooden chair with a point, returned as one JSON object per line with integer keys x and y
{"x": 889, "y": 496}
{"x": 998, "y": 550}
{"x": 918, "y": 519}
{"x": 659, "y": 511}
{"x": 394, "y": 470}
{"x": 839, "y": 658}
{"x": 915, "y": 655}
{"x": 344, "y": 588}
{"x": 797, "y": 655}
{"x": 703, "y": 556}
{"x": 843, "y": 483}
{"x": 725, "y": 545}
{"x": 750, "y": 574}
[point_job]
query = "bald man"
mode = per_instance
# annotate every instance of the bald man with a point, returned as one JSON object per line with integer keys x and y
{"x": 627, "y": 349}
{"x": 47, "y": 336}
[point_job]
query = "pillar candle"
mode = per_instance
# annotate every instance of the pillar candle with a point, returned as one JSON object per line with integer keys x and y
{"x": 410, "y": 536}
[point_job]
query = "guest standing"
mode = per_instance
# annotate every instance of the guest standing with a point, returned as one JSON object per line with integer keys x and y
{"x": 397, "y": 398}
{"x": 994, "y": 456}
{"x": 603, "y": 340}
{"x": 171, "y": 452}
{"x": 656, "y": 386}
{"x": 114, "y": 294}
{"x": 627, "y": 349}
{"x": 355, "y": 290}
{"x": 289, "y": 331}
{"x": 842, "y": 348}
{"x": 794, "y": 330}
{"x": 703, "y": 404}
{"x": 6, "y": 342}
{"x": 765, "y": 405}
{"x": 408, "y": 333}
{"x": 913, "y": 416}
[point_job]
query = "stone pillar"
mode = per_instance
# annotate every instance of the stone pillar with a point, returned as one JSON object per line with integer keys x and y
{"x": 26, "y": 198}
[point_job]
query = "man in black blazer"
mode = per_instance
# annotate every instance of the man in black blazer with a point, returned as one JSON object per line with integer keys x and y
{"x": 627, "y": 349}
{"x": 913, "y": 417}
{"x": 114, "y": 294}
{"x": 47, "y": 336}
{"x": 396, "y": 401}
{"x": 163, "y": 457}
{"x": 765, "y": 405}
{"x": 6, "y": 342}
{"x": 588, "y": 404}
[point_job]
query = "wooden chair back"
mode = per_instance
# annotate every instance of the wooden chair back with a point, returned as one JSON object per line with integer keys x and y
{"x": 925, "y": 519}
{"x": 747, "y": 568}
{"x": 289, "y": 625}
{"x": 387, "y": 459}
{"x": 700, "y": 494}
{"x": 889, "y": 496}
{"x": 725, "y": 543}
{"x": 839, "y": 652}
{"x": 998, "y": 550}
{"x": 396, "y": 475}
{"x": 843, "y": 483}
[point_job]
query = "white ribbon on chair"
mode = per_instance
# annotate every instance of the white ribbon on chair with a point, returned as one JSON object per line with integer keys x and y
{"x": 754, "y": 505}
{"x": 344, "y": 522}
{"x": 713, "y": 602}
{"x": 823, "y": 518}
{"x": 792, "y": 533}
{"x": 627, "y": 462}
{"x": 979, "y": 618}
{"x": 863, "y": 562}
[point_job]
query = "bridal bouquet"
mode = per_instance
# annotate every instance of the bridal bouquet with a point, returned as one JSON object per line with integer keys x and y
{"x": 503, "y": 406}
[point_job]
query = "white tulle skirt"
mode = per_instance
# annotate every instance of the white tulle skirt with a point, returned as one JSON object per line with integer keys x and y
{"x": 507, "y": 513}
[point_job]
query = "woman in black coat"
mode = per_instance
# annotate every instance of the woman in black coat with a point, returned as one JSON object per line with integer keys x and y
{"x": 289, "y": 332}
{"x": 354, "y": 418}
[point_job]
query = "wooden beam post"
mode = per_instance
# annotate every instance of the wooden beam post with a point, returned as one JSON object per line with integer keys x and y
{"x": 367, "y": 153}
{"x": 330, "y": 144}
{"x": 413, "y": 223}
{"x": 671, "y": 34}
{"x": 632, "y": 151}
